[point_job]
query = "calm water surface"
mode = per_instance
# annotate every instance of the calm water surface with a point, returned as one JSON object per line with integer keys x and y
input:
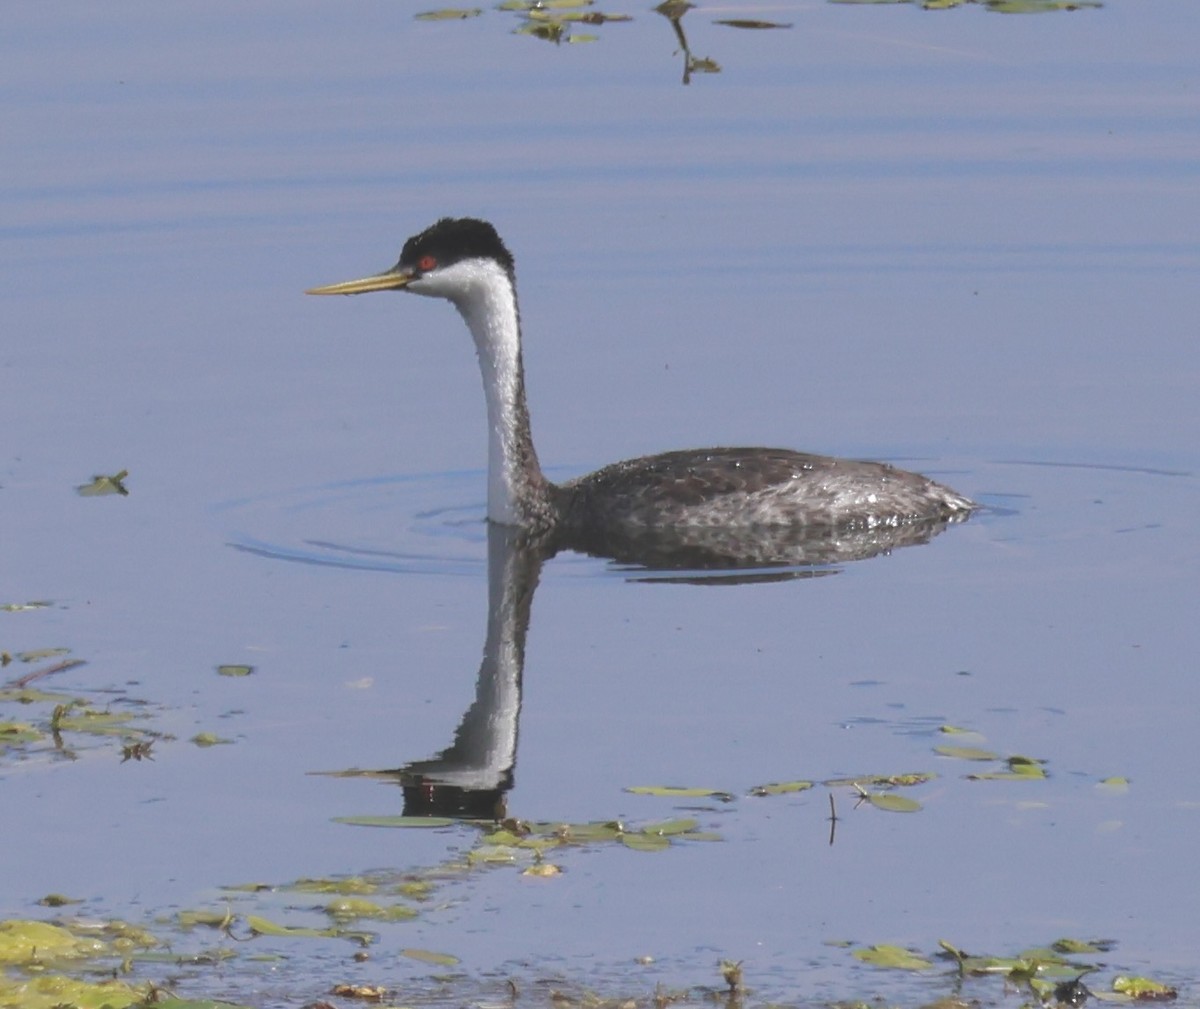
{"x": 962, "y": 241}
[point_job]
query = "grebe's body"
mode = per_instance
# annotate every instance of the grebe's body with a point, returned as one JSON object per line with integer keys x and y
{"x": 465, "y": 262}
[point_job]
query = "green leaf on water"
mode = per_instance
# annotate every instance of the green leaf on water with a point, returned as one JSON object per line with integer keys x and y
{"x": 105, "y": 485}
{"x": 345, "y": 885}
{"x": 532, "y": 5}
{"x": 1040, "y": 6}
{"x": 448, "y": 14}
{"x": 781, "y": 788}
{"x": 965, "y": 753}
{"x": 396, "y": 821}
{"x": 38, "y": 654}
{"x": 344, "y": 909}
{"x": 429, "y": 956}
{"x": 669, "y": 827}
{"x": 680, "y": 792}
{"x": 646, "y": 842}
{"x": 892, "y": 803}
{"x": 18, "y": 732}
{"x": 895, "y": 957}
{"x": 100, "y": 723}
{"x": 264, "y": 926}
{"x": 1142, "y": 988}
{"x": 234, "y": 670}
{"x": 208, "y": 739}
{"x": 1019, "y": 769}
{"x": 608, "y": 830}
{"x": 750, "y": 23}
{"x": 1113, "y": 786}
{"x": 883, "y": 780}
{"x": 1075, "y": 947}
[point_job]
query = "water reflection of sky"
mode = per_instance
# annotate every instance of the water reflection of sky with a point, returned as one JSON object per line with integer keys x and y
{"x": 958, "y": 240}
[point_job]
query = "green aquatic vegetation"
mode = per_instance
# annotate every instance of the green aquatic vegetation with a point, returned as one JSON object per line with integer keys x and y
{"x": 893, "y": 957}
{"x": 1000, "y": 6}
{"x": 101, "y": 485}
{"x": 1142, "y": 988}
{"x": 431, "y": 957}
{"x": 680, "y": 792}
{"x": 259, "y": 925}
{"x": 60, "y": 725}
{"x": 890, "y": 802}
{"x": 55, "y": 991}
{"x": 209, "y": 739}
{"x": 750, "y": 23}
{"x": 965, "y": 753}
{"x": 449, "y": 14}
{"x": 418, "y": 822}
{"x": 41, "y": 654}
{"x": 36, "y": 604}
{"x": 1019, "y": 769}
{"x": 348, "y": 886}
{"x": 1075, "y": 947}
{"x": 234, "y": 670}
{"x": 907, "y": 780}
{"x": 14, "y": 733}
{"x": 344, "y": 909}
{"x": 543, "y": 5}
{"x": 781, "y": 788}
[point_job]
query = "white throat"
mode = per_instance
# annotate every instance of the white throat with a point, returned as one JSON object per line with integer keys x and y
{"x": 483, "y": 294}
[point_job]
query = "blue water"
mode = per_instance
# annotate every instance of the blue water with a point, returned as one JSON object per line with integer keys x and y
{"x": 961, "y": 241}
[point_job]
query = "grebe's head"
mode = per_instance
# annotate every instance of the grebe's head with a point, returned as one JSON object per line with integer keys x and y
{"x": 451, "y": 259}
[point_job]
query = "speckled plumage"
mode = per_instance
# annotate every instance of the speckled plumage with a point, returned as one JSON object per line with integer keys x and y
{"x": 683, "y": 495}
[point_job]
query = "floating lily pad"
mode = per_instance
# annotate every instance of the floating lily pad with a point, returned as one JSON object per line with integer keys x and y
{"x": 646, "y": 842}
{"x": 1143, "y": 989}
{"x": 680, "y": 792}
{"x": 531, "y": 5}
{"x": 38, "y": 654}
{"x": 781, "y": 788}
{"x": 345, "y": 909}
{"x": 1070, "y": 947}
{"x": 367, "y": 992}
{"x": 234, "y": 670}
{"x": 429, "y": 956}
{"x": 263, "y": 926}
{"x": 750, "y": 23}
{"x": 343, "y": 885}
{"x": 965, "y": 753}
{"x": 895, "y": 957}
{"x": 883, "y": 780}
{"x": 892, "y": 803}
{"x": 396, "y": 821}
{"x": 101, "y": 485}
{"x": 1019, "y": 769}
{"x": 669, "y": 827}
{"x": 449, "y": 14}
{"x": 12, "y": 733}
{"x": 37, "y": 604}
{"x": 49, "y": 991}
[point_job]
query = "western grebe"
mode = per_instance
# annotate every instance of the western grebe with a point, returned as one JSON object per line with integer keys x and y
{"x": 464, "y": 261}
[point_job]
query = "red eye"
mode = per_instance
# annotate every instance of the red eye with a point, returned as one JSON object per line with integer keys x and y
{"x": 426, "y": 263}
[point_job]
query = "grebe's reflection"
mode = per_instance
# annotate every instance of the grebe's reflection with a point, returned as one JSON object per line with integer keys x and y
{"x": 472, "y": 776}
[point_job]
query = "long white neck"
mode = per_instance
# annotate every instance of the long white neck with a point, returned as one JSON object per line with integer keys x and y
{"x": 487, "y": 302}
